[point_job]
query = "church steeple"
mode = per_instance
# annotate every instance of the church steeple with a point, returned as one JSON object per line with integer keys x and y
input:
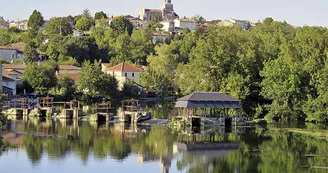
{"x": 167, "y": 5}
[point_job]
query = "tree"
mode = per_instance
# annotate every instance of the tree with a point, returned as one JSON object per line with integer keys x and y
{"x": 30, "y": 53}
{"x": 100, "y": 15}
{"x": 86, "y": 13}
{"x": 141, "y": 46}
{"x": 121, "y": 25}
{"x": 34, "y": 22}
{"x": 66, "y": 87}
{"x": 199, "y": 19}
{"x": 59, "y": 26}
{"x": 84, "y": 24}
{"x": 41, "y": 77}
{"x": 93, "y": 82}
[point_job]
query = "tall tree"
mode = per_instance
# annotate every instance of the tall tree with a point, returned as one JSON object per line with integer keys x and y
{"x": 84, "y": 24}
{"x": 86, "y": 13}
{"x": 121, "y": 25}
{"x": 100, "y": 15}
{"x": 30, "y": 53}
{"x": 34, "y": 22}
{"x": 41, "y": 77}
{"x": 59, "y": 26}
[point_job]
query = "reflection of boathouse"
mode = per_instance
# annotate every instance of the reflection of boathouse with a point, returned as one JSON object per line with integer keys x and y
{"x": 214, "y": 108}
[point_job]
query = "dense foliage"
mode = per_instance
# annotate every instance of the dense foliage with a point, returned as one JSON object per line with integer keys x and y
{"x": 275, "y": 69}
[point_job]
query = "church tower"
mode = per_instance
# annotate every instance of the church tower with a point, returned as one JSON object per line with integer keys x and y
{"x": 167, "y": 5}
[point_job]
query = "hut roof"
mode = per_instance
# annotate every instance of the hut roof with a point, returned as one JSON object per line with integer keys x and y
{"x": 207, "y": 100}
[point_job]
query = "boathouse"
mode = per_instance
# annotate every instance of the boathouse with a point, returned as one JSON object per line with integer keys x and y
{"x": 206, "y": 106}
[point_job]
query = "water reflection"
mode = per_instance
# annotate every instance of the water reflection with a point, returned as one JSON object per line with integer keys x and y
{"x": 211, "y": 150}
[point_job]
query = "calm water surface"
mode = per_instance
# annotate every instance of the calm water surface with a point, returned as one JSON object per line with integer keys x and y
{"x": 64, "y": 146}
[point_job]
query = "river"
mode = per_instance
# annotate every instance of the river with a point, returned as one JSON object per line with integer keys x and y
{"x": 51, "y": 146}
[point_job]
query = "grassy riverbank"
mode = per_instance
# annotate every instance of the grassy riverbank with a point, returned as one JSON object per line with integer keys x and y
{"x": 318, "y": 134}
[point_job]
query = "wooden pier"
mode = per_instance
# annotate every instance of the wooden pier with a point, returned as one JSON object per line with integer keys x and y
{"x": 131, "y": 112}
{"x": 102, "y": 112}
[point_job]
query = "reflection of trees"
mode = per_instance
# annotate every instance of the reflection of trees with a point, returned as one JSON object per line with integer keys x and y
{"x": 85, "y": 140}
{"x": 34, "y": 148}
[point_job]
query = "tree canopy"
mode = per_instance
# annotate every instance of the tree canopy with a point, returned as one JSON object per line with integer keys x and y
{"x": 121, "y": 25}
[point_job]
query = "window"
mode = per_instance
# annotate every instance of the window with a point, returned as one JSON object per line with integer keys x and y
{"x": 132, "y": 74}
{"x": 13, "y": 56}
{"x": 126, "y": 75}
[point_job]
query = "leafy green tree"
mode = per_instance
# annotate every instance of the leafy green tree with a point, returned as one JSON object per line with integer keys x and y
{"x": 30, "y": 53}
{"x": 141, "y": 46}
{"x": 41, "y": 77}
{"x": 121, "y": 25}
{"x": 93, "y": 82}
{"x": 34, "y": 22}
{"x": 84, "y": 24}
{"x": 59, "y": 26}
{"x": 100, "y": 15}
{"x": 66, "y": 87}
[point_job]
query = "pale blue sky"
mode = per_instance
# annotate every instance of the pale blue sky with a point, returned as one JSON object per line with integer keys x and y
{"x": 295, "y": 12}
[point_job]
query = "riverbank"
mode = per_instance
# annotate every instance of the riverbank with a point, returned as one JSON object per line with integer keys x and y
{"x": 317, "y": 134}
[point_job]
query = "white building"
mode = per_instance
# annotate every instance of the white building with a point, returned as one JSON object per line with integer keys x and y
{"x": 22, "y": 25}
{"x": 244, "y": 24}
{"x": 14, "y": 51}
{"x": 185, "y": 23}
{"x": 123, "y": 72}
{"x": 9, "y": 83}
{"x": 168, "y": 25}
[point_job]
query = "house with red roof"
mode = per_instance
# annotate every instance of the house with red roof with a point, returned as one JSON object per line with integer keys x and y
{"x": 123, "y": 72}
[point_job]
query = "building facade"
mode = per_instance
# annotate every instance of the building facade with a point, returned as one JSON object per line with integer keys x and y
{"x": 157, "y": 15}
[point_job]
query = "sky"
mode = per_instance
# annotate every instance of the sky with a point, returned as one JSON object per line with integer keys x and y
{"x": 295, "y": 12}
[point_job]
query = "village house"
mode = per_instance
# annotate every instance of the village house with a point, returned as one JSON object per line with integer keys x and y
{"x": 244, "y": 24}
{"x": 157, "y": 36}
{"x": 3, "y": 23}
{"x": 185, "y": 23}
{"x": 165, "y": 13}
{"x": 123, "y": 72}
{"x": 22, "y": 25}
{"x": 15, "y": 51}
{"x": 168, "y": 25}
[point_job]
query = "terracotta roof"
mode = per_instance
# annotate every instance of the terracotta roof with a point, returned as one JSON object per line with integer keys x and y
{"x": 14, "y": 66}
{"x": 20, "y": 46}
{"x": 74, "y": 76}
{"x": 11, "y": 72}
{"x": 157, "y": 34}
{"x": 5, "y": 75}
{"x": 68, "y": 67}
{"x": 125, "y": 67}
{"x": 107, "y": 65}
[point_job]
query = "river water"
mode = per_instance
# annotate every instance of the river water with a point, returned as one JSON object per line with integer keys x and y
{"x": 51, "y": 146}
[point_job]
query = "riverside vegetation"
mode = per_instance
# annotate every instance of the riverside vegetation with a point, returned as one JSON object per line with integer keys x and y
{"x": 278, "y": 71}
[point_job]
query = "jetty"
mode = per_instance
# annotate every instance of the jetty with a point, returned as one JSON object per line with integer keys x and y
{"x": 102, "y": 112}
{"x": 210, "y": 108}
{"x": 131, "y": 112}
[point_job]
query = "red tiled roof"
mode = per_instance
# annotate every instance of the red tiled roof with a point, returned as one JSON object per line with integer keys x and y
{"x": 124, "y": 67}
{"x": 11, "y": 72}
{"x": 14, "y": 66}
{"x": 68, "y": 67}
{"x": 107, "y": 65}
{"x": 74, "y": 76}
{"x": 5, "y": 75}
